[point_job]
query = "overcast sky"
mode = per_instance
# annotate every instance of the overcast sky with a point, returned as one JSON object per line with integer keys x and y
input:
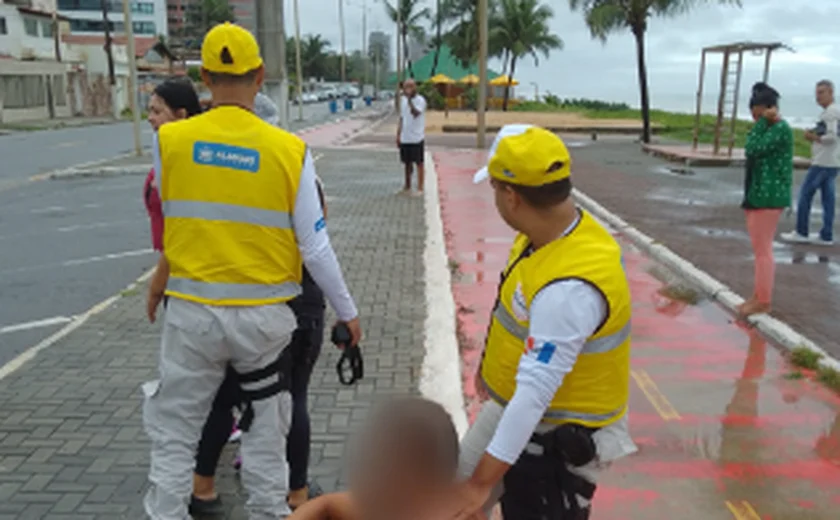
{"x": 586, "y": 68}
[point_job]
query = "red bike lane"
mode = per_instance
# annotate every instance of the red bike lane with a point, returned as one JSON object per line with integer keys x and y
{"x": 726, "y": 428}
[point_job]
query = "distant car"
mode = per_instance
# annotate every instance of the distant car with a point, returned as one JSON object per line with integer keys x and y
{"x": 310, "y": 97}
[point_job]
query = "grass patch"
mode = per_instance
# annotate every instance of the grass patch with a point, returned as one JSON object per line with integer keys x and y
{"x": 805, "y": 358}
{"x": 454, "y": 266}
{"x": 795, "y": 375}
{"x": 674, "y": 125}
{"x": 829, "y": 377}
{"x": 681, "y": 293}
{"x": 18, "y": 127}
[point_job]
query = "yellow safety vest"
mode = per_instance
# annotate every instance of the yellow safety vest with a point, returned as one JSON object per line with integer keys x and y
{"x": 595, "y": 393}
{"x": 228, "y": 188}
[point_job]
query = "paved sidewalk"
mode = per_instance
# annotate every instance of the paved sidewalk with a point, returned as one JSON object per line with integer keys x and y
{"x": 726, "y": 428}
{"x": 71, "y": 438}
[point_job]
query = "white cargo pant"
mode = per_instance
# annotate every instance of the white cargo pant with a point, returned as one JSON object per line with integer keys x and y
{"x": 478, "y": 438}
{"x": 198, "y": 343}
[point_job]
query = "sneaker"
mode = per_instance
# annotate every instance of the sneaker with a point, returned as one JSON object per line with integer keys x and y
{"x": 795, "y": 237}
{"x": 820, "y": 242}
{"x": 235, "y": 435}
{"x": 202, "y": 508}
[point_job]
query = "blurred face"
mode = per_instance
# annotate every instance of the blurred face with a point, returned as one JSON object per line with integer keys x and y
{"x": 758, "y": 111}
{"x": 825, "y": 95}
{"x": 410, "y": 88}
{"x": 160, "y": 113}
{"x": 389, "y": 486}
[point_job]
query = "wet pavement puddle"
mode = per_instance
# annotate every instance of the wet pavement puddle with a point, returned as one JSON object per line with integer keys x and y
{"x": 724, "y": 427}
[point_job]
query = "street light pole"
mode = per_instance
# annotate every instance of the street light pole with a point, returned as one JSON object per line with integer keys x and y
{"x": 132, "y": 75}
{"x": 343, "y": 49}
{"x": 365, "y": 56}
{"x": 297, "y": 62}
{"x": 399, "y": 55}
{"x": 481, "y": 122}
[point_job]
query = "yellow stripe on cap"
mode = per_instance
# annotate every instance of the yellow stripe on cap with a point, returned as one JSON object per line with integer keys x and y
{"x": 230, "y": 49}
{"x": 534, "y": 157}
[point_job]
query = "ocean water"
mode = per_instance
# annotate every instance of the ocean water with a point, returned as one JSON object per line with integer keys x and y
{"x": 800, "y": 111}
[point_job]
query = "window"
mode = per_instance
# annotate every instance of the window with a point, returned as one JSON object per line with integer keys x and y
{"x": 30, "y": 26}
{"x": 144, "y": 27}
{"x": 3, "y": 29}
{"x": 24, "y": 91}
{"x": 47, "y": 29}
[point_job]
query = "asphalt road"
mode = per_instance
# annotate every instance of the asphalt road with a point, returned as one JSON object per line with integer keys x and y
{"x": 66, "y": 245}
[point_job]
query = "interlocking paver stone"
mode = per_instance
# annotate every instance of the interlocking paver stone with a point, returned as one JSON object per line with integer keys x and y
{"x": 71, "y": 438}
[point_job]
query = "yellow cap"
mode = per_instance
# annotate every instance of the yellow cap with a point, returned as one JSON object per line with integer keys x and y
{"x": 230, "y": 49}
{"x": 526, "y": 155}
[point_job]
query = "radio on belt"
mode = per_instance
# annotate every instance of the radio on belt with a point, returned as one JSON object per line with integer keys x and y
{"x": 350, "y": 367}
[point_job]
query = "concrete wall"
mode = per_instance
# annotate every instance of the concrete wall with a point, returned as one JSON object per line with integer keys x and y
{"x": 32, "y": 77}
{"x": 20, "y": 45}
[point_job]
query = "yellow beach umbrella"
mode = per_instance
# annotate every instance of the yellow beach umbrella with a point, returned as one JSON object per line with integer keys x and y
{"x": 472, "y": 79}
{"x": 441, "y": 79}
{"x": 502, "y": 81}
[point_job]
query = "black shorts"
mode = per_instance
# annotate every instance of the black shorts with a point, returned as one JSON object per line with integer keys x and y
{"x": 412, "y": 153}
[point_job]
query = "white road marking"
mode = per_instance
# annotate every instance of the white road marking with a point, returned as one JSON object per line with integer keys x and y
{"x": 92, "y": 206}
{"x": 68, "y": 144}
{"x": 95, "y": 225}
{"x": 110, "y": 256}
{"x": 80, "y": 320}
{"x": 35, "y": 324}
{"x": 49, "y": 209}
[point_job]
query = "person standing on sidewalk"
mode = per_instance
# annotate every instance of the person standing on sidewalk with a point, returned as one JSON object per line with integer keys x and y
{"x": 822, "y": 175}
{"x": 556, "y": 366}
{"x": 411, "y": 135}
{"x": 242, "y": 216}
{"x": 767, "y": 190}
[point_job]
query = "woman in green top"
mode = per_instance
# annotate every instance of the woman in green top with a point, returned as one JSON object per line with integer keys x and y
{"x": 767, "y": 189}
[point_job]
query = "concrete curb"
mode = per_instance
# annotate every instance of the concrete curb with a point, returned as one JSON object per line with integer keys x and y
{"x": 775, "y": 330}
{"x": 440, "y": 375}
{"x": 92, "y": 169}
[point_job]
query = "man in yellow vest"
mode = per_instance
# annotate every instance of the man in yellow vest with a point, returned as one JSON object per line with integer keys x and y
{"x": 556, "y": 366}
{"x": 242, "y": 216}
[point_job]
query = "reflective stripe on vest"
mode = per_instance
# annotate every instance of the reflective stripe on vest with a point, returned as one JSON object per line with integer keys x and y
{"x": 233, "y": 291}
{"x": 565, "y": 415}
{"x": 592, "y": 346}
{"x": 227, "y": 212}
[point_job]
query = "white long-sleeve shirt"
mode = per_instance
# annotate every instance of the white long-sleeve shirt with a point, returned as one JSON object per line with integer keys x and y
{"x": 561, "y": 318}
{"x": 826, "y": 151}
{"x": 309, "y": 226}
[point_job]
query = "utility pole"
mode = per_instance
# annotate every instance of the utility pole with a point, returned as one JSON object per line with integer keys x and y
{"x": 343, "y": 50}
{"x": 132, "y": 75}
{"x": 272, "y": 39}
{"x": 481, "y": 122}
{"x": 112, "y": 80}
{"x": 399, "y": 55}
{"x": 365, "y": 56}
{"x": 298, "y": 67}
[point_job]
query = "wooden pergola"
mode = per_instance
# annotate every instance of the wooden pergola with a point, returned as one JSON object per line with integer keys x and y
{"x": 730, "y": 86}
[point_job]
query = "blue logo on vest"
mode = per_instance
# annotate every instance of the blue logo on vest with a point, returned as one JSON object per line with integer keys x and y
{"x": 226, "y": 156}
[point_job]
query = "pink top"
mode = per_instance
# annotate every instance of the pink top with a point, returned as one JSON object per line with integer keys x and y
{"x": 154, "y": 208}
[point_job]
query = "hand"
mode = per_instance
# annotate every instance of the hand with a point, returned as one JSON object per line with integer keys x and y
{"x": 355, "y": 329}
{"x": 398, "y": 141}
{"x": 468, "y": 502}
{"x": 152, "y": 301}
{"x": 811, "y": 136}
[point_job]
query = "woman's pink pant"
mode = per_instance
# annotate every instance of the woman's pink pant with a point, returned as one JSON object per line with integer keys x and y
{"x": 761, "y": 225}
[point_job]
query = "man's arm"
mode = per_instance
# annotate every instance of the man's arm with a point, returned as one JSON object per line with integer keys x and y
{"x": 417, "y": 108}
{"x": 831, "y": 120}
{"x": 318, "y": 255}
{"x": 562, "y": 317}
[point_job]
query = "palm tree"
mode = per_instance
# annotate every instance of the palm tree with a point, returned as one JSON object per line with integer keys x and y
{"x": 203, "y": 15}
{"x": 411, "y": 16}
{"x": 521, "y": 27}
{"x": 607, "y": 16}
{"x": 314, "y": 59}
{"x": 462, "y": 38}
{"x": 438, "y": 40}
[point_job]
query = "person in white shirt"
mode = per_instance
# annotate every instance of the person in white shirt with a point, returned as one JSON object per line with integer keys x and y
{"x": 555, "y": 371}
{"x": 822, "y": 175}
{"x": 411, "y": 134}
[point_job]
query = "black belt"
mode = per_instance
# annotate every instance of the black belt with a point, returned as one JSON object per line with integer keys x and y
{"x": 281, "y": 368}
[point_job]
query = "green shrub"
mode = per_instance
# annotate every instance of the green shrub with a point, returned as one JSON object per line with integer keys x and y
{"x": 194, "y": 73}
{"x": 434, "y": 98}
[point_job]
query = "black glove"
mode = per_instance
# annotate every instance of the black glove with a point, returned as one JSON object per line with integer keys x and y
{"x": 350, "y": 366}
